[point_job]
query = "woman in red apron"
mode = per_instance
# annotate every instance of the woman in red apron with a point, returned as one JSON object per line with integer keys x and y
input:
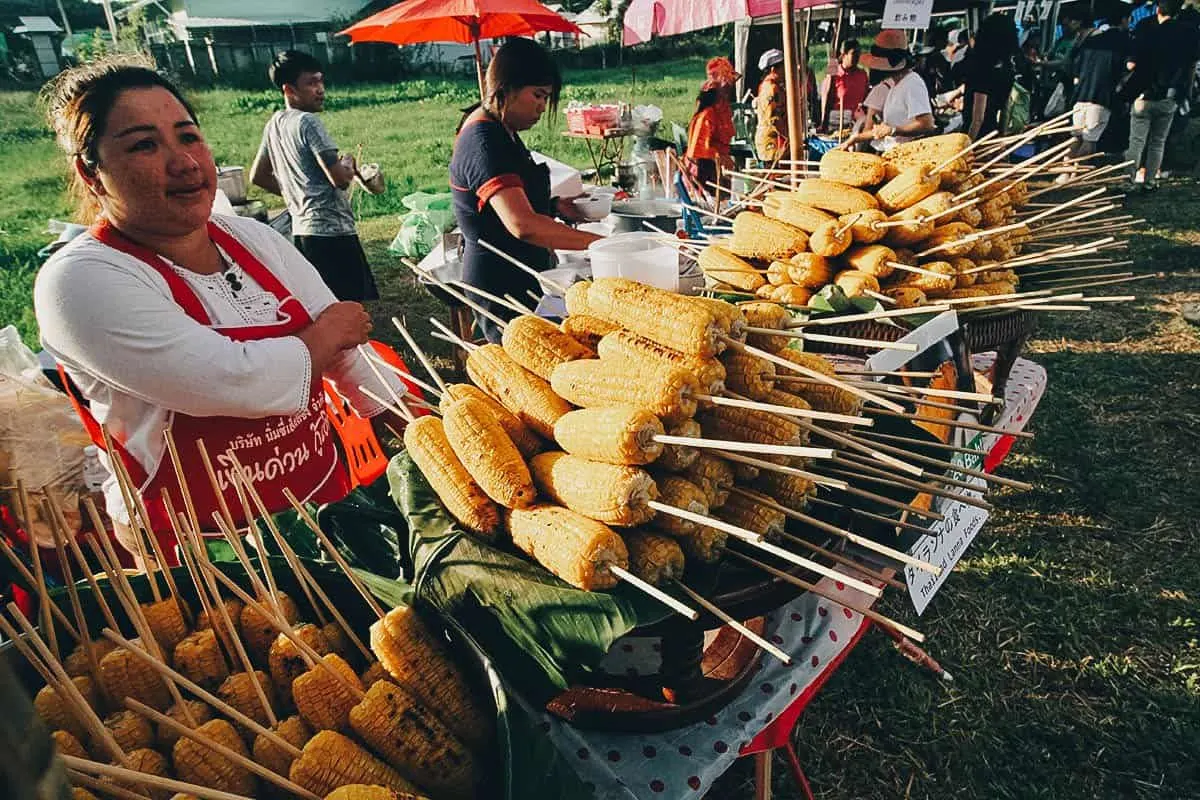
{"x": 168, "y": 318}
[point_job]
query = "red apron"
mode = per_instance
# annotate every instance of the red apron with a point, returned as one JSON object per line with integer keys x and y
{"x": 278, "y": 452}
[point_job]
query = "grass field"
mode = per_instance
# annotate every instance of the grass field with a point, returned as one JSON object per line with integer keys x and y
{"x": 1071, "y": 627}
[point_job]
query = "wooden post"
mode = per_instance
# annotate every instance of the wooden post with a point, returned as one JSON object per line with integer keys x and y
{"x": 478, "y": 59}
{"x": 804, "y": 81}
{"x": 795, "y": 132}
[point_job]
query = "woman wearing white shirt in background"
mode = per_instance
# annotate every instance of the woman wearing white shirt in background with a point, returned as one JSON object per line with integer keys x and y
{"x": 898, "y": 107}
{"x": 169, "y": 318}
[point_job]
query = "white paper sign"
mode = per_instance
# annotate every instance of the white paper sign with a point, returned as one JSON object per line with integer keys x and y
{"x": 951, "y": 535}
{"x": 924, "y": 337}
{"x": 911, "y": 14}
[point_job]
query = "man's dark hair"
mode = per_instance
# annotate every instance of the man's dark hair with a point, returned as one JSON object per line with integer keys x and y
{"x": 1169, "y": 8}
{"x": 850, "y": 45}
{"x": 289, "y": 65}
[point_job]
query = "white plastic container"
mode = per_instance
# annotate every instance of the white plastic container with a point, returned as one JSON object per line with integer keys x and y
{"x": 641, "y": 257}
{"x": 94, "y": 473}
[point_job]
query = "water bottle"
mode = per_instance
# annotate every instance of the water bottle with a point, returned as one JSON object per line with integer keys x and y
{"x": 94, "y": 473}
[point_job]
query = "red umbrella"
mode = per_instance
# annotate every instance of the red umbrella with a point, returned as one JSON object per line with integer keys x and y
{"x": 465, "y": 21}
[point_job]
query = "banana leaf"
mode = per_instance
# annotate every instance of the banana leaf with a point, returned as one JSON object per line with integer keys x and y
{"x": 543, "y": 634}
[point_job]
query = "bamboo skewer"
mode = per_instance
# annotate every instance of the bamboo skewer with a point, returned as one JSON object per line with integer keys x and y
{"x": 102, "y": 788}
{"x": 238, "y": 646}
{"x": 844, "y": 561}
{"x": 783, "y": 469}
{"x": 937, "y": 480}
{"x": 404, "y": 376}
{"x": 874, "y": 616}
{"x": 86, "y": 568}
{"x": 62, "y": 681}
{"x": 759, "y": 641}
{"x": 895, "y": 373}
{"x": 304, "y": 577}
{"x": 736, "y": 401}
{"x": 746, "y": 447}
{"x": 947, "y": 465}
{"x": 401, "y": 411}
{"x": 953, "y": 394}
{"x": 915, "y": 270}
{"x": 283, "y": 628}
{"x": 337, "y": 557}
{"x": 938, "y": 445}
{"x": 894, "y": 524}
{"x": 755, "y": 539}
{"x": 202, "y": 693}
{"x": 516, "y": 262}
{"x": 144, "y": 779}
{"x": 849, "y": 536}
{"x": 982, "y": 140}
{"x": 879, "y": 344}
{"x": 185, "y": 557}
{"x": 870, "y": 474}
{"x": 655, "y": 592}
{"x": 64, "y": 564}
{"x": 216, "y": 486}
{"x": 956, "y": 423}
{"x": 39, "y": 588}
{"x": 940, "y": 306}
{"x": 222, "y": 750}
{"x": 882, "y": 458}
{"x": 811, "y": 373}
{"x": 33, "y": 583}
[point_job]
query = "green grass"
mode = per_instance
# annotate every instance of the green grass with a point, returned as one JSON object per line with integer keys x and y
{"x": 1070, "y": 628}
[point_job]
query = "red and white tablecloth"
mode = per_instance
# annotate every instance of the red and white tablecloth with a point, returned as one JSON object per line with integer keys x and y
{"x": 816, "y": 632}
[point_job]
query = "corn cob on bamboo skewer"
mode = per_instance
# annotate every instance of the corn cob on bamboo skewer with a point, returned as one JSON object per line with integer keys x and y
{"x": 81, "y": 765}
{"x": 668, "y": 393}
{"x": 664, "y": 317}
{"x": 201, "y": 692}
{"x": 539, "y": 346}
{"x": 488, "y": 454}
{"x": 614, "y": 495}
{"x": 615, "y": 435}
{"x": 430, "y": 449}
{"x": 577, "y": 549}
{"x": 753, "y": 539}
{"x": 330, "y": 760}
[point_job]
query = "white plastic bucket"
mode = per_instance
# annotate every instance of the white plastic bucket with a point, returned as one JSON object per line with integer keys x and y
{"x": 641, "y": 257}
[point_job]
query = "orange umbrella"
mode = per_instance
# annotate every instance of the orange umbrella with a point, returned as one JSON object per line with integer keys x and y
{"x": 465, "y": 21}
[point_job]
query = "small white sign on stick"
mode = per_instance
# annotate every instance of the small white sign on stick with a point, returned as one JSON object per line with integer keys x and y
{"x": 950, "y": 536}
{"x": 907, "y": 14}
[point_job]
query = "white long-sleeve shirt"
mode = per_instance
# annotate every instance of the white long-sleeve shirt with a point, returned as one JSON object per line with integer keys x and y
{"x": 137, "y": 356}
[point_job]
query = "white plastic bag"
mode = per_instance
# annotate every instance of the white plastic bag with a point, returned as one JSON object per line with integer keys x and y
{"x": 41, "y": 437}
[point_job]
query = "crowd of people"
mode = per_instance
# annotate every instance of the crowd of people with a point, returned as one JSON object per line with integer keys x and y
{"x": 1126, "y": 73}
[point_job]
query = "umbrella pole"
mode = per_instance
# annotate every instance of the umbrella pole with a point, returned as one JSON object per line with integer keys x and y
{"x": 795, "y": 138}
{"x": 478, "y": 59}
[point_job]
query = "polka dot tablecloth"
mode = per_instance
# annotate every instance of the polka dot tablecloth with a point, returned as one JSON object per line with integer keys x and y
{"x": 815, "y": 632}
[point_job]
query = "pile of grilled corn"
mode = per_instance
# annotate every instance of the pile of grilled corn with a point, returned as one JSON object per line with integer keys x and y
{"x": 864, "y": 215}
{"x": 411, "y": 730}
{"x": 559, "y": 444}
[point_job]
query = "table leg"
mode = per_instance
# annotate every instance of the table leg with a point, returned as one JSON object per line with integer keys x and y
{"x": 762, "y": 775}
{"x": 798, "y": 773}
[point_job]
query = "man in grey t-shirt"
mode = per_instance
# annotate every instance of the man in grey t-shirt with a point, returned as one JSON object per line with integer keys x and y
{"x": 299, "y": 160}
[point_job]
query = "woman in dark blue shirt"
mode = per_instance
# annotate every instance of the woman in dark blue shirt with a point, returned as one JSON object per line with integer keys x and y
{"x": 501, "y": 196}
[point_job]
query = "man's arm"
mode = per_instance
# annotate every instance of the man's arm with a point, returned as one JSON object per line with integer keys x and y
{"x": 261, "y": 173}
{"x": 339, "y": 170}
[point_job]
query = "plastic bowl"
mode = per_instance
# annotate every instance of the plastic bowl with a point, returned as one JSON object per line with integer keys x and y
{"x": 595, "y": 207}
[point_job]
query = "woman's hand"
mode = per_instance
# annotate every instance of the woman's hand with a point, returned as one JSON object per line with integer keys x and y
{"x": 882, "y": 131}
{"x": 565, "y": 208}
{"x": 341, "y": 326}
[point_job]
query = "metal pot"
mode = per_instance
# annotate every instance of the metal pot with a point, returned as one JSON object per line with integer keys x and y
{"x": 232, "y": 181}
{"x": 628, "y": 215}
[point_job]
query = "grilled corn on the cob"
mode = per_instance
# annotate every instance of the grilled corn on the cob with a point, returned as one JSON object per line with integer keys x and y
{"x": 576, "y": 549}
{"x": 418, "y": 661}
{"x": 669, "y": 319}
{"x": 330, "y": 760}
{"x": 412, "y": 738}
{"x": 258, "y": 632}
{"x": 203, "y": 766}
{"x": 539, "y": 346}
{"x": 123, "y": 674}
{"x": 201, "y": 712}
{"x": 426, "y": 442}
{"x": 723, "y": 266}
{"x": 488, "y": 454}
{"x": 293, "y": 730}
{"x": 525, "y": 439}
{"x": 608, "y": 493}
{"x": 323, "y": 701}
{"x": 676, "y": 457}
{"x": 636, "y": 350}
{"x": 831, "y": 239}
{"x": 615, "y": 435}
{"x": 836, "y": 198}
{"x": 758, "y": 236}
{"x": 668, "y": 393}
{"x": 852, "y": 169}
{"x": 198, "y": 657}
{"x": 516, "y": 388}
{"x": 587, "y": 330}
{"x": 653, "y": 557}
{"x": 286, "y": 662}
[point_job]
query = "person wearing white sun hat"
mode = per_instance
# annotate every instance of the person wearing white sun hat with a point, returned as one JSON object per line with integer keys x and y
{"x": 898, "y": 107}
{"x": 770, "y": 106}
